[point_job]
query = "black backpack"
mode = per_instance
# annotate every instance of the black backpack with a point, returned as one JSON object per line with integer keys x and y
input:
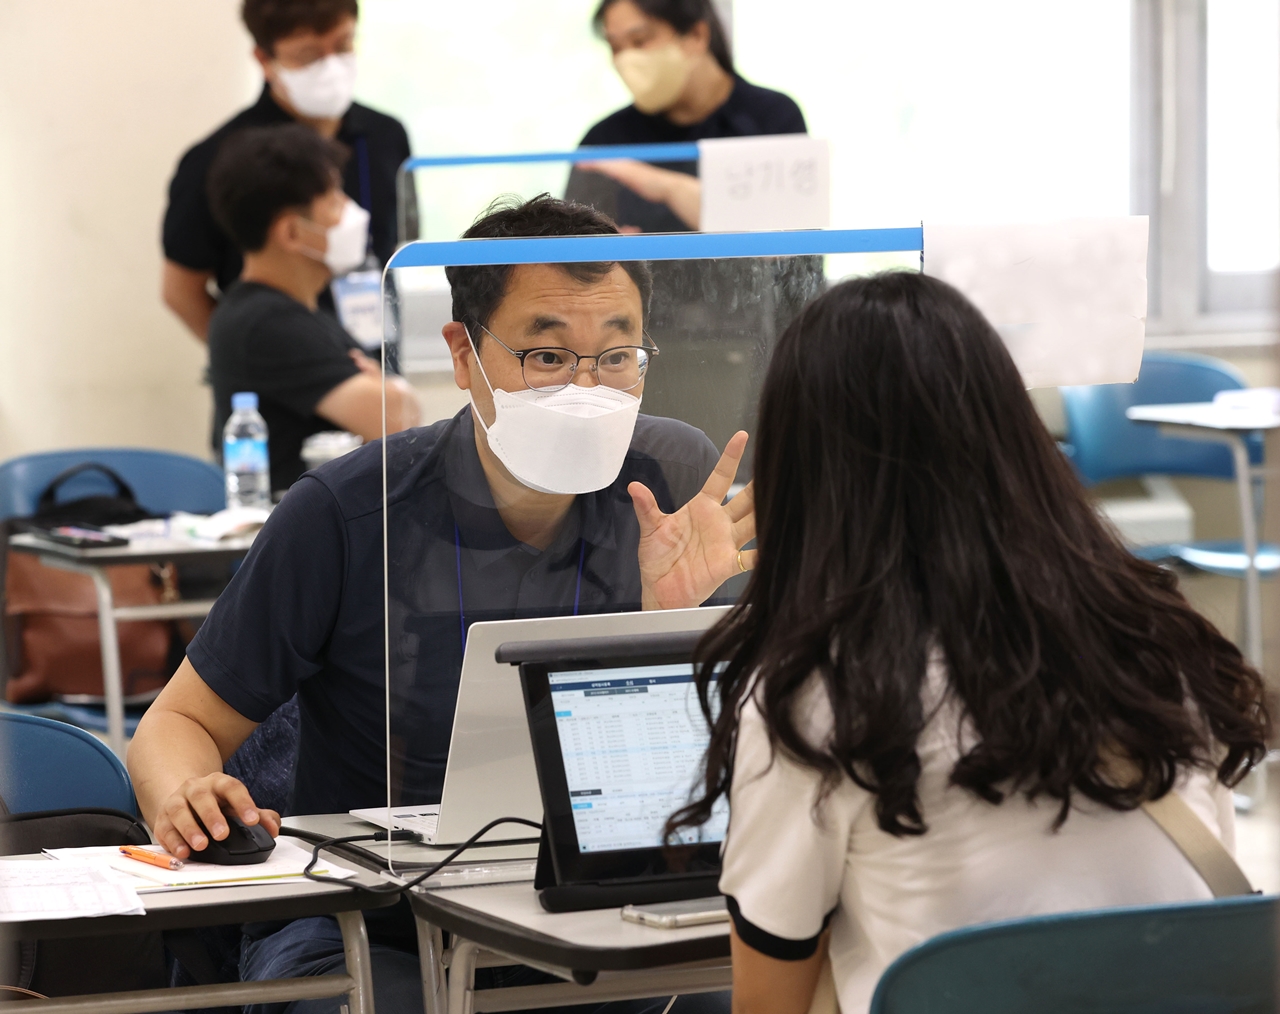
{"x": 120, "y": 508}
{"x": 67, "y": 967}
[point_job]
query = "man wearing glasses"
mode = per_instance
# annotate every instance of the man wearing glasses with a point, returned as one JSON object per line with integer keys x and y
{"x": 549, "y": 495}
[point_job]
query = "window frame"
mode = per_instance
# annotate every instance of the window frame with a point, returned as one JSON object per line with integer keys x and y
{"x": 1189, "y": 305}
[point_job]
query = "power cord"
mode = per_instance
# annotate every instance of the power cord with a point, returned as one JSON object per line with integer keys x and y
{"x": 397, "y": 836}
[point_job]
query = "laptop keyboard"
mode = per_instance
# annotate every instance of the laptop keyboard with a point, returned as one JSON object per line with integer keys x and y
{"x": 423, "y": 819}
{"x": 424, "y": 823}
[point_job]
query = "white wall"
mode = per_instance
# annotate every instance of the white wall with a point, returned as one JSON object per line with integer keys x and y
{"x": 97, "y": 102}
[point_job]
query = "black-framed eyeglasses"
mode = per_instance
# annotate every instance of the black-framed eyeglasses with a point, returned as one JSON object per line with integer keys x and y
{"x": 552, "y": 368}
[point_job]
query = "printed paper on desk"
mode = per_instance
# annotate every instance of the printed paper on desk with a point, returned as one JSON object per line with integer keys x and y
{"x": 34, "y": 889}
{"x": 1069, "y": 298}
{"x": 778, "y": 182}
{"x": 287, "y": 862}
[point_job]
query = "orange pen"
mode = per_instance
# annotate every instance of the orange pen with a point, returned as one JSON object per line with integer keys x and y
{"x": 154, "y": 858}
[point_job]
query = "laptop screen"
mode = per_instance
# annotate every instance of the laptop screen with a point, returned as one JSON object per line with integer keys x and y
{"x": 632, "y": 740}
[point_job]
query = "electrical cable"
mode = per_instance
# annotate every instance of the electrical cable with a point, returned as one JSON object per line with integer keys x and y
{"x": 397, "y": 836}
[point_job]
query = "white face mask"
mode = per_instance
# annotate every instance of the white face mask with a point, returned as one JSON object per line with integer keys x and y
{"x": 655, "y": 77}
{"x": 573, "y": 440}
{"x": 324, "y": 88}
{"x": 347, "y": 243}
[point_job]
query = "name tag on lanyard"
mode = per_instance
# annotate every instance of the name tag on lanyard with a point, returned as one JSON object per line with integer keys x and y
{"x": 358, "y": 298}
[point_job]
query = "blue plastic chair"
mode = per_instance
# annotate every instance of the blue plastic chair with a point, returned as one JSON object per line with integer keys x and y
{"x": 48, "y": 765}
{"x": 1202, "y": 957}
{"x": 1104, "y": 444}
{"x": 163, "y": 481}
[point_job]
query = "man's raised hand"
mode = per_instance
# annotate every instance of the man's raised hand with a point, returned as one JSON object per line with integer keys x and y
{"x": 686, "y": 556}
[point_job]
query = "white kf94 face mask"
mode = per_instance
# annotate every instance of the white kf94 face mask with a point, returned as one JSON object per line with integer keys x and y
{"x": 324, "y": 88}
{"x": 347, "y": 243}
{"x": 573, "y": 440}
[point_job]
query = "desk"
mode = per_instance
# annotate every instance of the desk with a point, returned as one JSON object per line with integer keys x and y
{"x": 93, "y": 563}
{"x": 1228, "y": 425}
{"x": 601, "y": 956}
{"x": 218, "y": 906}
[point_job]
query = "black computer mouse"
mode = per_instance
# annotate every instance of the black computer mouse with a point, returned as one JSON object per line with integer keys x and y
{"x": 244, "y": 844}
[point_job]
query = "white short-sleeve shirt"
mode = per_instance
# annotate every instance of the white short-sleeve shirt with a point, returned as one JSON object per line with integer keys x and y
{"x": 786, "y": 874}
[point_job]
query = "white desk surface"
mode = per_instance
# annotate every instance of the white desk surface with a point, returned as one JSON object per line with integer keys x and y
{"x": 599, "y": 928}
{"x": 209, "y": 906}
{"x": 339, "y": 825}
{"x": 1206, "y": 415}
{"x": 137, "y": 551}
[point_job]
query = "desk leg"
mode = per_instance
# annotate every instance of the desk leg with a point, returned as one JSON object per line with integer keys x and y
{"x": 355, "y": 943}
{"x": 462, "y": 977}
{"x": 112, "y": 681}
{"x": 1249, "y": 536}
{"x": 431, "y": 958}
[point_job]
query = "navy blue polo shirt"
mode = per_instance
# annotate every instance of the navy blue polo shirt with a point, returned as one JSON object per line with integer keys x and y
{"x": 304, "y": 613}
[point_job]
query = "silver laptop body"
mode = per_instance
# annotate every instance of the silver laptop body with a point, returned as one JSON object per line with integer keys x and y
{"x": 490, "y": 771}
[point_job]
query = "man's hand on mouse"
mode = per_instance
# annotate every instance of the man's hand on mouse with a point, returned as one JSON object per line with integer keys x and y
{"x": 686, "y": 556}
{"x": 208, "y": 797}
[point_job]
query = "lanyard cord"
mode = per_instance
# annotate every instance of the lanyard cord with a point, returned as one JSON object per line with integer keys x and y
{"x": 462, "y": 609}
{"x": 365, "y": 185}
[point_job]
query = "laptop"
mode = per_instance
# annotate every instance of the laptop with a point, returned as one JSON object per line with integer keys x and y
{"x": 619, "y": 739}
{"x": 490, "y": 770}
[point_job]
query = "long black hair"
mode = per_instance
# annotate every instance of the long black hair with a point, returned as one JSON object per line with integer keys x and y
{"x": 909, "y": 498}
{"x": 682, "y": 15}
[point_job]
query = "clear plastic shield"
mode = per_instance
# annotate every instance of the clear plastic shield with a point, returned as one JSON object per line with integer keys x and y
{"x": 440, "y": 196}
{"x": 606, "y": 377}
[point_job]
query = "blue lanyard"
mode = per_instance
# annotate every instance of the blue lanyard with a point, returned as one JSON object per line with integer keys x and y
{"x": 462, "y": 612}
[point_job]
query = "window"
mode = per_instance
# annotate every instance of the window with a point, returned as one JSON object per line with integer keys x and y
{"x": 1242, "y": 127}
{"x": 983, "y": 110}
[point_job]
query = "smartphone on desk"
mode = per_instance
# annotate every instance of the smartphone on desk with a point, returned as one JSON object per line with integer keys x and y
{"x": 80, "y": 536}
{"x": 678, "y": 914}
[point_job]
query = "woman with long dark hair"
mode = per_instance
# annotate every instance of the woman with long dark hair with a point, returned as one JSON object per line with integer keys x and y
{"x": 675, "y": 59}
{"x": 949, "y": 688}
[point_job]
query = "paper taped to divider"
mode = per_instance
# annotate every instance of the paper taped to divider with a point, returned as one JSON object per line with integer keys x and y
{"x": 1069, "y": 298}
{"x": 779, "y": 181}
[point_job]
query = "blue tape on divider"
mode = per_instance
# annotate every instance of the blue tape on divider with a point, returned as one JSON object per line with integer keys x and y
{"x": 686, "y": 152}
{"x": 656, "y": 247}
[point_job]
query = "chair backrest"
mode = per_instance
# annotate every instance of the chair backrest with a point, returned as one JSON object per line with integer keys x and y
{"x": 48, "y": 765}
{"x": 1105, "y": 445}
{"x": 163, "y": 481}
{"x": 1200, "y": 956}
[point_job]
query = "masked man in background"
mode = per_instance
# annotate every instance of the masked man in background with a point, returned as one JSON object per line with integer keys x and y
{"x": 549, "y": 495}
{"x": 306, "y": 51}
{"x": 276, "y": 191}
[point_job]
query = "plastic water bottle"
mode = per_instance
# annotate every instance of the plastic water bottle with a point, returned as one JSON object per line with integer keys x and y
{"x": 244, "y": 454}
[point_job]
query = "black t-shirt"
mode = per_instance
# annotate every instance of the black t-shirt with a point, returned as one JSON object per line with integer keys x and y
{"x": 304, "y": 614}
{"x": 262, "y": 340}
{"x": 749, "y": 111}
{"x": 378, "y": 143}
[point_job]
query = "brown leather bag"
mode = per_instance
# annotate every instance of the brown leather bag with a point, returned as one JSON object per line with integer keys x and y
{"x": 50, "y": 629}
{"x": 53, "y": 624}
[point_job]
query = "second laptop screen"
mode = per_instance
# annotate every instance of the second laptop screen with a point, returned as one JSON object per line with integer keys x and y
{"x": 633, "y": 741}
